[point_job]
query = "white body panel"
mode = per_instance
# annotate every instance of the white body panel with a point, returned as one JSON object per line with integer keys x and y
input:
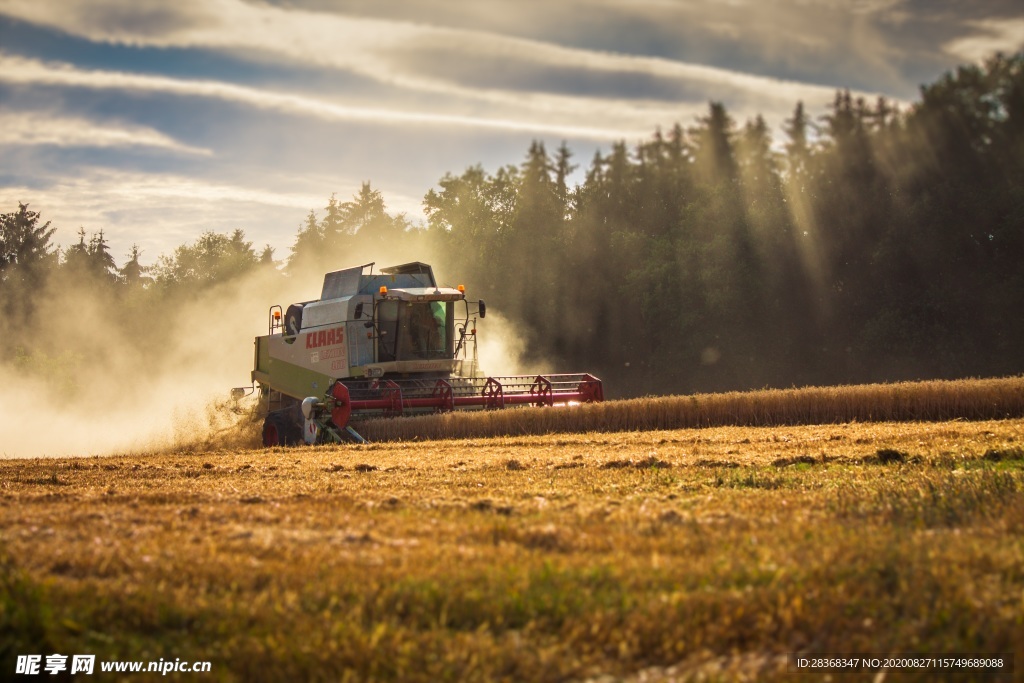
{"x": 323, "y": 350}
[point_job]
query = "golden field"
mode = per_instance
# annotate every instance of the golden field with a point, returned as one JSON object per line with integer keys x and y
{"x": 683, "y": 554}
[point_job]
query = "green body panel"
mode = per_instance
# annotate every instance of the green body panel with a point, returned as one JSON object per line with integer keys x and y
{"x": 296, "y": 367}
{"x": 296, "y": 381}
{"x": 262, "y": 360}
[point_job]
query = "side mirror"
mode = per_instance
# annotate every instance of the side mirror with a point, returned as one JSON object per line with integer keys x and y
{"x": 359, "y": 311}
{"x": 482, "y": 307}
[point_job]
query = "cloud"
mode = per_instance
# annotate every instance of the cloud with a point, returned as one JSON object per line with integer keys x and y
{"x": 44, "y": 128}
{"x": 413, "y": 63}
{"x": 25, "y": 72}
{"x": 155, "y": 210}
{"x": 991, "y": 36}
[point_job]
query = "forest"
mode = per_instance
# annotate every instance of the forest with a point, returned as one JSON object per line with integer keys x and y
{"x": 864, "y": 244}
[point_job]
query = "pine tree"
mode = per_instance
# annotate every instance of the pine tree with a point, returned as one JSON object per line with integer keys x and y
{"x": 101, "y": 263}
{"x": 714, "y": 160}
{"x": 798, "y": 146}
{"x": 26, "y": 260}
{"x": 76, "y": 256}
{"x": 310, "y": 243}
{"x": 133, "y": 274}
{"x": 563, "y": 168}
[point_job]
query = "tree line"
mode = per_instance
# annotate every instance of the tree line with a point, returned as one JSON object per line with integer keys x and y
{"x": 866, "y": 244}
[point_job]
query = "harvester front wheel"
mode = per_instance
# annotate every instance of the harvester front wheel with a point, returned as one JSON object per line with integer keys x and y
{"x": 278, "y": 430}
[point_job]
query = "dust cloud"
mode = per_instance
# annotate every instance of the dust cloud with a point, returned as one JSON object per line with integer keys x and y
{"x": 94, "y": 380}
{"x": 501, "y": 348}
{"x": 97, "y": 374}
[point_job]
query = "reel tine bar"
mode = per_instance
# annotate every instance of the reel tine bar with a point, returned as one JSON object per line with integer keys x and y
{"x": 444, "y": 395}
{"x": 542, "y": 390}
{"x": 493, "y": 394}
{"x": 398, "y": 397}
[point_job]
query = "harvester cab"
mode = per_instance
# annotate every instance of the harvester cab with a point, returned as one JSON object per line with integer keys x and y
{"x": 388, "y": 343}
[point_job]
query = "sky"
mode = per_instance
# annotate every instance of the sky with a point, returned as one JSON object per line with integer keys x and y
{"x": 155, "y": 121}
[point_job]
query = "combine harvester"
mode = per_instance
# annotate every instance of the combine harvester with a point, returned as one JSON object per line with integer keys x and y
{"x": 385, "y": 344}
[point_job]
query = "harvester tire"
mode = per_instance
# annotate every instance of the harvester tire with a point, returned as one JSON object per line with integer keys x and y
{"x": 278, "y": 430}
